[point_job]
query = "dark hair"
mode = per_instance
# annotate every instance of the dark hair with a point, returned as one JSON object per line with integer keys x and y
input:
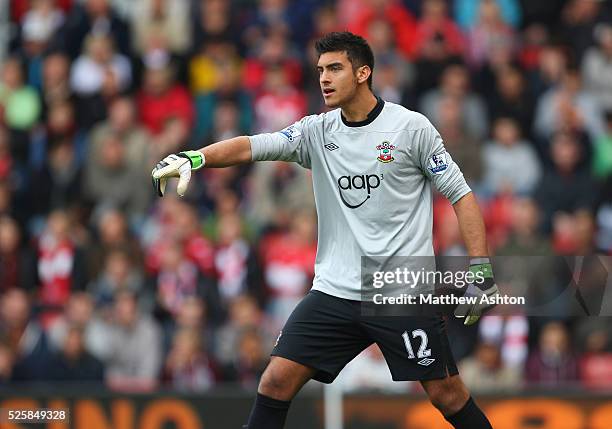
{"x": 356, "y": 47}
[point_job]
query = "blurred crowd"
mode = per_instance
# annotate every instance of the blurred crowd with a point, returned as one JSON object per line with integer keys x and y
{"x": 101, "y": 282}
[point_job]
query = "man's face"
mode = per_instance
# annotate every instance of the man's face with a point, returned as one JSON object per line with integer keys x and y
{"x": 337, "y": 79}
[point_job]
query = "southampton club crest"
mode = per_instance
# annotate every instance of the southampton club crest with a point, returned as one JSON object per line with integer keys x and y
{"x": 385, "y": 152}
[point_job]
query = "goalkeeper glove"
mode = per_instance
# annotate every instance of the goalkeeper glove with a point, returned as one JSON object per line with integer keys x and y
{"x": 176, "y": 165}
{"x": 483, "y": 286}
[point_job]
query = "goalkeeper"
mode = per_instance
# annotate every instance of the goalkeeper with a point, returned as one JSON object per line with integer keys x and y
{"x": 373, "y": 165}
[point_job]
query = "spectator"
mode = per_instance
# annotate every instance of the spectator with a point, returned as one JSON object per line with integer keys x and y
{"x": 192, "y": 316}
{"x": 20, "y": 8}
{"x": 564, "y": 187}
{"x": 435, "y": 26}
{"x": 208, "y": 66}
{"x": 119, "y": 274}
{"x": 36, "y": 34}
{"x": 188, "y": 367}
{"x": 250, "y": 361}
{"x": 548, "y": 13}
{"x": 455, "y": 83}
{"x": 93, "y": 17}
{"x": 578, "y": 20}
{"x": 73, "y": 363}
{"x": 157, "y": 17}
{"x": 60, "y": 152}
{"x": 277, "y": 189}
{"x": 122, "y": 122}
{"x": 551, "y": 67}
{"x": 402, "y": 22}
{"x": 55, "y": 85}
{"x": 60, "y": 264}
{"x": 510, "y": 163}
{"x": 390, "y": 84}
{"x": 512, "y": 99}
{"x": 178, "y": 279}
{"x": 553, "y": 363}
{"x": 464, "y": 148}
{"x": 509, "y": 334}
{"x": 389, "y": 57}
{"x": 19, "y": 104}
{"x": 235, "y": 260}
{"x": 447, "y": 236}
{"x": 243, "y": 315}
{"x": 533, "y": 40}
{"x": 279, "y": 104}
{"x": 525, "y": 237}
{"x": 275, "y": 53}
{"x": 596, "y": 363}
{"x": 165, "y": 107}
{"x": 226, "y": 122}
{"x": 467, "y": 12}
{"x": 184, "y": 226}
{"x": 226, "y": 112}
{"x": 489, "y": 35}
{"x": 270, "y": 16}
{"x": 17, "y": 265}
{"x": 567, "y": 107}
{"x": 78, "y": 314}
{"x": 112, "y": 179}
{"x": 573, "y": 233}
{"x": 288, "y": 260}
{"x": 100, "y": 70}
{"x": 597, "y": 67}
{"x": 134, "y": 355}
{"x": 485, "y": 371}
{"x": 25, "y": 337}
{"x": 112, "y": 233}
{"x": 213, "y": 19}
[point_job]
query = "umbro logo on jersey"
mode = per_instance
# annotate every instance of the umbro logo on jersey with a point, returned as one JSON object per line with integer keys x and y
{"x": 426, "y": 361}
{"x": 331, "y": 146}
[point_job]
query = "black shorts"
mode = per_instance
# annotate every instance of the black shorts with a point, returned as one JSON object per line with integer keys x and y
{"x": 325, "y": 333}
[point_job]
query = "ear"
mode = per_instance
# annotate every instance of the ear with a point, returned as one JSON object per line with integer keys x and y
{"x": 363, "y": 73}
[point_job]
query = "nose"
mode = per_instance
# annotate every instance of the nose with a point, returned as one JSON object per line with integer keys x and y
{"x": 324, "y": 78}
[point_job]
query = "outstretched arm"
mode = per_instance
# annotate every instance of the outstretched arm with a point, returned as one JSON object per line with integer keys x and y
{"x": 284, "y": 145}
{"x": 233, "y": 151}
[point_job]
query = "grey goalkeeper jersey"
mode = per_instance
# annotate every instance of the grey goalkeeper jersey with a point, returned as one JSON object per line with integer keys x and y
{"x": 372, "y": 186}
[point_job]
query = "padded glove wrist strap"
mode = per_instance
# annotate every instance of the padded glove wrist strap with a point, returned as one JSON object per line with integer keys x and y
{"x": 195, "y": 157}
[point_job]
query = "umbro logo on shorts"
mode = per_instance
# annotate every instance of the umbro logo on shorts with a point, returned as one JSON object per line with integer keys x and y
{"x": 426, "y": 361}
{"x": 331, "y": 146}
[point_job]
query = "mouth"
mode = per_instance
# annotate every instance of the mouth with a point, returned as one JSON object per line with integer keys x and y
{"x": 328, "y": 91}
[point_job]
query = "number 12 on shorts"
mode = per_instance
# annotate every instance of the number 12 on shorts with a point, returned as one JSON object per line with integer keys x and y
{"x": 423, "y": 351}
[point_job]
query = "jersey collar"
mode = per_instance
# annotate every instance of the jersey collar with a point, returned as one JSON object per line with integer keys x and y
{"x": 370, "y": 118}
